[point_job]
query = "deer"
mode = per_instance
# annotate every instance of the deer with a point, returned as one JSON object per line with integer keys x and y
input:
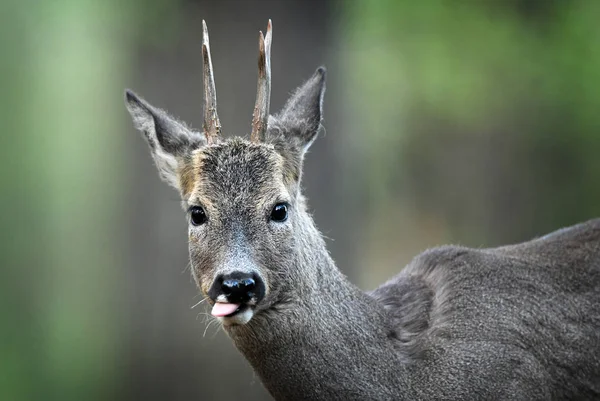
{"x": 516, "y": 322}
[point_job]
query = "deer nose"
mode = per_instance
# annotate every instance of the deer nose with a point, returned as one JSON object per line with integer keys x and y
{"x": 238, "y": 287}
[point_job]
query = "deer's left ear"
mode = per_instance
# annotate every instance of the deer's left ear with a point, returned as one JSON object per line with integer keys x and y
{"x": 170, "y": 141}
{"x": 298, "y": 123}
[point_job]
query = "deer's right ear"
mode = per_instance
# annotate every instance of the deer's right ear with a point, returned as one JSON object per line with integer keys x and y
{"x": 300, "y": 119}
{"x": 170, "y": 141}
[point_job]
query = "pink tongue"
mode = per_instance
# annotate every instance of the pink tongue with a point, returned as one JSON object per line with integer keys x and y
{"x": 222, "y": 309}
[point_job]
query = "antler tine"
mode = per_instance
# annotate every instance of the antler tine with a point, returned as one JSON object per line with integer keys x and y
{"x": 263, "y": 91}
{"x": 212, "y": 125}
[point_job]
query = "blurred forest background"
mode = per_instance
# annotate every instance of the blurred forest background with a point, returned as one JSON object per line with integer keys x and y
{"x": 469, "y": 121}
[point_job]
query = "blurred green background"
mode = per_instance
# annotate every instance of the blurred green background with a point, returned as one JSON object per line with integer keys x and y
{"x": 469, "y": 121}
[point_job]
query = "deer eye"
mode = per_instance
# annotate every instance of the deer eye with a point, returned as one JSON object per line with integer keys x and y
{"x": 197, "y": 215}
{"x": 279, "y": 212}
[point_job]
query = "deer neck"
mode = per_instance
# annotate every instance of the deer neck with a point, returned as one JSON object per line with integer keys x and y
{"x": 327, "y": 341}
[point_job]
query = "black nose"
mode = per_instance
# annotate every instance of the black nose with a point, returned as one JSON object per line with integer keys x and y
{"x": 238, "y": 287}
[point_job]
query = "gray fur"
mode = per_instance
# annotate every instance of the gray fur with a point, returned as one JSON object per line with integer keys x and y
{"x": 519, "y": 322}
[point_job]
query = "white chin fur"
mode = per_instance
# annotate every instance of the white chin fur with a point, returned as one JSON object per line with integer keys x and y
{"x": 239, "y": 318}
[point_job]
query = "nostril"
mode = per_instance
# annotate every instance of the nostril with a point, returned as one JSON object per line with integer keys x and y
{"x": 249, "y": 283}
{"x": 238, "y": 287}
{"x": 233, "y": 285}
{"x": 238, "y": 283}
{"x": 230, "y": 285}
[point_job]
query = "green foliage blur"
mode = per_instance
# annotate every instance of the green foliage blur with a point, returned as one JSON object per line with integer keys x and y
{"x": 479, "y": 118}
{"x": 64, "y": 64}
{"x": 472, "y": 121}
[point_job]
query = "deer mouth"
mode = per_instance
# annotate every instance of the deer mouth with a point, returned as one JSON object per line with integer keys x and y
{"x": 234, "y": 296}
{"x": 231, "y": 314}
{"x": 224, "y": 309}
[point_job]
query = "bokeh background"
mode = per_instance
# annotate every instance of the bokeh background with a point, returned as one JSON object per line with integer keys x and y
{"x": 473, "y": 122}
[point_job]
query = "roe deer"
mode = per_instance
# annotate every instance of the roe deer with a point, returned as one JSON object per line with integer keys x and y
{"x": 519, "y": 322}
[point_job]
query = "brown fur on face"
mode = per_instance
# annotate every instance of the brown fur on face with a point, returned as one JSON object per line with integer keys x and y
{"x": 238, "y": 183}
{"x": 187, "y": 175}
{"x": 234, "y": 167}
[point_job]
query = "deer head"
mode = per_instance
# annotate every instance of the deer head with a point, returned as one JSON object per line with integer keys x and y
{"x": 242, "y": 197}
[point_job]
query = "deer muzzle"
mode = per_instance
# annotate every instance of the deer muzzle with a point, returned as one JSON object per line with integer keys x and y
{"x": 235, "y": 292}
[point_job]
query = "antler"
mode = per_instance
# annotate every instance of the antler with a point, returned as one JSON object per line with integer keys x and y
{"x": 212, "y": 125}
{"x": 263, "y": 91}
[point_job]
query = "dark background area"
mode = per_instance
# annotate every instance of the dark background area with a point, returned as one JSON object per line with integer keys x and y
{"x": 470, "y": 122}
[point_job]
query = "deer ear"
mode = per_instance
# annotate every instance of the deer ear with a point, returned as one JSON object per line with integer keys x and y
{"x": 299, "y": 121}
{"x": 169, "y": 140}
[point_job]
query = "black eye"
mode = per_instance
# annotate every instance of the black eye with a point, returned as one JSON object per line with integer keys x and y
{"x": 197, "y": 216}
{"x": 279, "y": 212}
